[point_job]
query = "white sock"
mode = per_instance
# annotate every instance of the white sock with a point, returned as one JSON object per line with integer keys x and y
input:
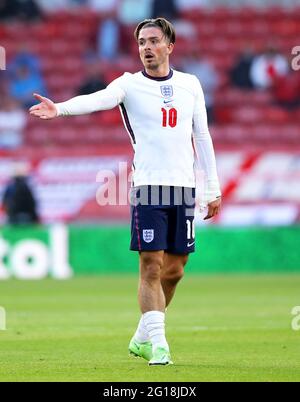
{"x": 155, "y": 324}
{"x": 141, "y": 335}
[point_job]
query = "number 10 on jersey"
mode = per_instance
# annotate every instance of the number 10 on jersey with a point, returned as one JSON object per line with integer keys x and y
{"x": 169, "y": 117}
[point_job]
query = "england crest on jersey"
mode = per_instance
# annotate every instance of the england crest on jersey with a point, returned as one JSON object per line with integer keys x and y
{"x": 148, "y": 235}
{"x": 167, "y": 91}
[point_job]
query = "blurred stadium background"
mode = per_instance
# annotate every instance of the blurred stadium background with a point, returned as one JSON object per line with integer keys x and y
{"x": 238, "y": 327}
{"x": 242, "y": 53}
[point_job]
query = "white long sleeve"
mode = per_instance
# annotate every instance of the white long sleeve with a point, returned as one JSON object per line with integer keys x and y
{"x": 204, "y": 147}
{"x": 106, "y": 99}
{"x": 149, "y": 109}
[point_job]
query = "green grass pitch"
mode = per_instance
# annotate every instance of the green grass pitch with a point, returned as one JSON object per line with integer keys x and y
{"x": 220, "y": 328}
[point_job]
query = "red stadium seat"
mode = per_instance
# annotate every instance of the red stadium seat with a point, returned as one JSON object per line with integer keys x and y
{"x": 242, "y": 116}
{"x": 276, "y": 115}
{"x": 111, "y": 118}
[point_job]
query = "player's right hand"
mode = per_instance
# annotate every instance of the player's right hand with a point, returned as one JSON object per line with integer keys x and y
{"x": 213, "y": 208}
{"x": 45, "y": 110}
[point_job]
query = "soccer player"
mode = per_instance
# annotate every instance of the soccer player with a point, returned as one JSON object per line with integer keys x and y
{"x": 164, "y": 113}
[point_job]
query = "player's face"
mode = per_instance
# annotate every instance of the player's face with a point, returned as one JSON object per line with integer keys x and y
{"x": 154, "y": 47}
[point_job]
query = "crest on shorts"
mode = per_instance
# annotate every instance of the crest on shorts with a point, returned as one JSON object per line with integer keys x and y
{"x": 167, "y": 91}
{"x": 148, "y": 235}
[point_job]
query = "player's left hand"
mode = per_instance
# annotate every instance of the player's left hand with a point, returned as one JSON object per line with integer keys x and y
{"x": 213, "y": 208}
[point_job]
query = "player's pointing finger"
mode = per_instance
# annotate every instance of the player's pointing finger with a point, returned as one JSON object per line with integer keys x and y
{"x": 39, "y": 97}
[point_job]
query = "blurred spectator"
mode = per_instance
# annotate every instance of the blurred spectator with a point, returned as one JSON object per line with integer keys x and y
{"x": 166, "y": 9}
{"x": 18, "y": 200}
{"x": 7, "y": 9}
{"x": 184, "y": 29}
{"x": 58, "y": 5}
{"x": 28, "y": 10}
{"x": 25, "y": 78}
{"x": 108, "y": 35}
{"x": 103, "y": 6}
{"x": 131, "y": 12}
{"x": 22, "y": 57}
{"x": 208, "y": 77}
{"x": 21, "y": 9}
{"x": 191, "y": 4}
{"x": 286, "y": 90}
{"x": 12, "y": 122}
{"x": 108, "y": 38}
{"x": 53, "y": 5}
{"x": 240, "y": 73}
{"x": 266, "y": 66}
{"x": 94, "y": 80}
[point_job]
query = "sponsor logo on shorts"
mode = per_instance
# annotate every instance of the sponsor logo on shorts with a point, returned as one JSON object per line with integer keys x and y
{"x": 191, "y": 244}
{"x": 148, "y": 235}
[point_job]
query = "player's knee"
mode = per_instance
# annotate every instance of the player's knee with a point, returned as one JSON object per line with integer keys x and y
{"x": 173, "y": 274}
{"x": 177, "y": 274}
{"x": 184, "y": 260}
{"x": 151, "y": 266}
{"x": 150, "y": 272}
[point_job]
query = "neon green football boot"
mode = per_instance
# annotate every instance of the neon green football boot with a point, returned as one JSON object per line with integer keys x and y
{"x": 143, "y": 350}
{"x": 161, "y": 357}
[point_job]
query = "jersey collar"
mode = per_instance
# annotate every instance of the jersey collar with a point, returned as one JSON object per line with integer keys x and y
{"x": 167, "y": 77}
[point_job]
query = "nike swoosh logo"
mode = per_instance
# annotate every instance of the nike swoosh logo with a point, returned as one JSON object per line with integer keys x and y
{"x": 190, "y": 244}
{"x": 169, "y": 101}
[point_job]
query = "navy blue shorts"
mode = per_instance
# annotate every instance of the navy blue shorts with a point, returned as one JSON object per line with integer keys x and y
{"x": 162, "y": 218}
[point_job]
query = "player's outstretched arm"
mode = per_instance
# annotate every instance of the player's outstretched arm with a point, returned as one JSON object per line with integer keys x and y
{"x": 105, "y": 99}
{"x": 45, "y": 110}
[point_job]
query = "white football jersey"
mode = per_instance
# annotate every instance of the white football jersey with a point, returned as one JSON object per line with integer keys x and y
{"x": 158, "y": 115}
{"x": 165, "y": 119}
